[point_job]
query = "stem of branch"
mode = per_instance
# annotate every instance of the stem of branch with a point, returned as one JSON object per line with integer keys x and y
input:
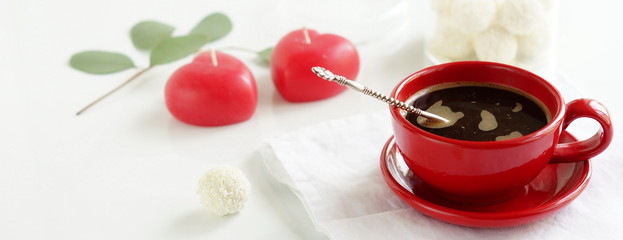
{"x": 136, "y": 75}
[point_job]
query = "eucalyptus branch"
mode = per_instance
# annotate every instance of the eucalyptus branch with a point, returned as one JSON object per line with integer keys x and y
{"x": 158, "y": 39}
{"x": 136, "y": 75}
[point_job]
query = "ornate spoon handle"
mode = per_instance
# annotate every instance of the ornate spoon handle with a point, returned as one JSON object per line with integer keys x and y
{"x": 329, "y": 76}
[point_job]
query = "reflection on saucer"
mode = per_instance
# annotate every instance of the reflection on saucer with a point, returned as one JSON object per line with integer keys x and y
{"x": 556, "y": 186}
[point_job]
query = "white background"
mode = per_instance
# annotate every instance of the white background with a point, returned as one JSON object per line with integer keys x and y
{"x": 127, "y": 170}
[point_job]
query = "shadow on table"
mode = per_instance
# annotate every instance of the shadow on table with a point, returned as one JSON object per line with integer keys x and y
{"x": 198, "y": 221}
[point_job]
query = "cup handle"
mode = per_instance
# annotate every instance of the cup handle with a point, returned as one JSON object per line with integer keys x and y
{"x": 585, "y": 149}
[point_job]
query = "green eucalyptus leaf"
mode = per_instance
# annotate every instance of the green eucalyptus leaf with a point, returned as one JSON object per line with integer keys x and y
{"x": 214, "y": 26}
{"x": 265, "y": 55}
{"x": 100, "y": 62}
{"x": 148, "y": 34}
{"x": 176, "y": 48}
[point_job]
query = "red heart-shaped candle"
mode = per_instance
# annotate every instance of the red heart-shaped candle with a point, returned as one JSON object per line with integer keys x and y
{"x": 299, "y": 51}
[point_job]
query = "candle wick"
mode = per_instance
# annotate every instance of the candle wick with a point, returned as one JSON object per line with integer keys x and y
{"x": 306, "y": 34}
{"x": 213, "y": 55}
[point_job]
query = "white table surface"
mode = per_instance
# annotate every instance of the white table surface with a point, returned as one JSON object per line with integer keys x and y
{"x": 127, "y": 170}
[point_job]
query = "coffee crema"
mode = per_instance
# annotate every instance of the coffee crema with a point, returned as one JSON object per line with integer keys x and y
{"x": 479, "y": 112}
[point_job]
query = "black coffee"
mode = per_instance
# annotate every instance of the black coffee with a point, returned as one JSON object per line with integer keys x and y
{"x": 479, "y": 113}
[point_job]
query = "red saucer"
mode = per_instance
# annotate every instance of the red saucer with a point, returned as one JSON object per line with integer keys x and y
{"x": 556, "y": 186}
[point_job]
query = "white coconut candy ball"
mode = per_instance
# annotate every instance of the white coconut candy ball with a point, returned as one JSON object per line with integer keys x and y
{"x": 224, "y": 190}
{"x": 496, "y": 45}
{"x": 548, "y": 5}
{"x": 449, "y": 43}
{"x": 471, "y": 16}
{"x": 521, "y": 17}
{"x": 535, "y": 44}
{"x": 500, "y": 2}
{"x": 441, "y": 6}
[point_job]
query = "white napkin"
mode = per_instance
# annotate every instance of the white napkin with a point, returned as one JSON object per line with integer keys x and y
{"x": 333, "y": 168}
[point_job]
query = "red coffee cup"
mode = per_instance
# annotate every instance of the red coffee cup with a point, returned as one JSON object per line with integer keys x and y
{"x": 486, "y": 172}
